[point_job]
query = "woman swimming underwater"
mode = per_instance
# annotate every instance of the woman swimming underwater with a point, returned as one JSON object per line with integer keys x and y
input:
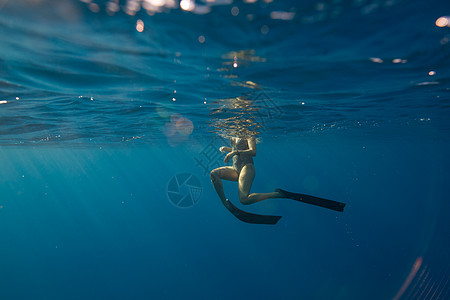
{"x": 242, "y": 151}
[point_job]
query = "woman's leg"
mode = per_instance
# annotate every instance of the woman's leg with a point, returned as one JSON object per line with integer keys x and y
{"x": 226, "y": 173}
{"x": 245, "y": 184}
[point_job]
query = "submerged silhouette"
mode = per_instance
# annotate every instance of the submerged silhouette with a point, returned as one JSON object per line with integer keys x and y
{"x": 242, "y": 151}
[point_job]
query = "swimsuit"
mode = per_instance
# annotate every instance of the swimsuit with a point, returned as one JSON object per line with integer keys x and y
{"x": 241, "y": 159}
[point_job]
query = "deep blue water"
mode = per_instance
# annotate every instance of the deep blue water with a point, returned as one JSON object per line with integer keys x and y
{"x": 103, "y": 104}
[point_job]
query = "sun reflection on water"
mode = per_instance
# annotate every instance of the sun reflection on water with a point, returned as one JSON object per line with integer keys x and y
{"x": 314, "y": 12}
{"x": 237, "y": 116}
{"x": 132, "y": 7}
{"x": 188, "y": 5}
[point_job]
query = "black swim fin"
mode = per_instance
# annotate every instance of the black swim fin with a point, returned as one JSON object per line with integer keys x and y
{"x": 330, "y": 204}
{"x": 249, "y": 217}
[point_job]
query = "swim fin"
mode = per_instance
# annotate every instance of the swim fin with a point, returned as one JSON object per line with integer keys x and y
{"x": 330, "y": 204}
{"x": 249, "y": 217}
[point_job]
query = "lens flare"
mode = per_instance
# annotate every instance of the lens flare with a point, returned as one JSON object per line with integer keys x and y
{"x": 443, "y": 21}
{"x": 140, "y": 25}
{"x": 184, "y": 126}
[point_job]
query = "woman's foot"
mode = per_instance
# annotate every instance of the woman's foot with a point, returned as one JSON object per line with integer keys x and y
{"x": 288, "y": 195}
{"x": 281, "y": 193}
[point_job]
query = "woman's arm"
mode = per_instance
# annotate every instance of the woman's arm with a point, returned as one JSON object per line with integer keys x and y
{"x": 251, "y": 147}
{"x": 225, "y": 149}
{"x": 250, "y": 151}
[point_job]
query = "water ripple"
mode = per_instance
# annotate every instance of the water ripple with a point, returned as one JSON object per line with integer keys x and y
{"x": 69, "y": 75}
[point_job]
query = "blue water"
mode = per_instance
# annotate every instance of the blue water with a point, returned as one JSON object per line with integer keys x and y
{"x": 104, "y": 104}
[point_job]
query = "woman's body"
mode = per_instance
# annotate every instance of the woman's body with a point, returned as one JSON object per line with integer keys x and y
{"x": 243, "y": 171}
{"x": 241, "y": 151}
